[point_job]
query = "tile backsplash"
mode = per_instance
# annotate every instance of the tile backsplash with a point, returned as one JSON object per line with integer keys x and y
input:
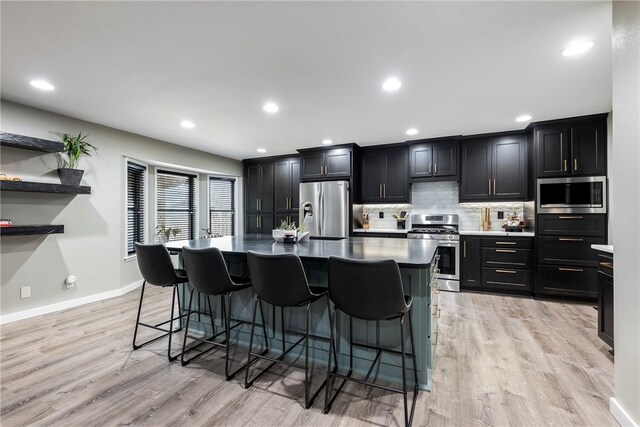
{"x": 442, "y": 198}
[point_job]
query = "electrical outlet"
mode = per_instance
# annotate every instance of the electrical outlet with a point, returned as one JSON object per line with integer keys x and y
{"x": 500, "y": 214}
{"x": 381, "y": 215}
{"x": 25, "y": 292}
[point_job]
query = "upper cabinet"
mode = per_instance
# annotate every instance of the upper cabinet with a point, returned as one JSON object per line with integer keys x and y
{"x": 286, "y": 189}
{"x": 259, "y": 186}
{"x": 494, "y": 168}
{"x": 384, "y": 175}
{"x": 434, "y": 160}
{"x": 571, "y": 148}
{"x": 326, "y": 164}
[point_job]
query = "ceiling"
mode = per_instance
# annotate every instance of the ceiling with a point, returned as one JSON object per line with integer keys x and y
{"x": 466, "y": 67}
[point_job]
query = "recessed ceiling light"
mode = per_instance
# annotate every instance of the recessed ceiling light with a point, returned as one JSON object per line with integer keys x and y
{"x": 327, "y": 141}
{"x": 271, "y": 107}
{"x": 523, "y": 118}
{"x": 577, "y": 47}
{"x": 412, "y": 131}
{"x": 42, "y": 85}
{"x": 187, "y": 124}
{"x": 261, "y": 150}
{"x": 391, "y": 84}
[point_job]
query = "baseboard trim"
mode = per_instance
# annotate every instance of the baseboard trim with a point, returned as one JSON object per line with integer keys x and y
{"x": 51, "y": 308}
{"x": 620, "y": 414}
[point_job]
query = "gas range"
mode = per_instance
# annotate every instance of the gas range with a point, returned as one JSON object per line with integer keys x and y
{"x": 444, "y": 229}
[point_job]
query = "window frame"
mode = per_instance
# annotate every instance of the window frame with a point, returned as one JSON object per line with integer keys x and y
{"x": 145, "y": 204}
{"x": 196, "y": 200}
{"x": 235, "y": 200}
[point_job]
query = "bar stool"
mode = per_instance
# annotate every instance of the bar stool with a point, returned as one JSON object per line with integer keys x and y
{"x": 157, "y": 269}
{"x": 208, "y": 275}
{"x": 370, "y": 290}
{"x": 280, "y": 280}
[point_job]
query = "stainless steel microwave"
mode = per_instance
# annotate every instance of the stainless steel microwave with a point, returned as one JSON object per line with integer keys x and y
{"x": 572, "y": 195}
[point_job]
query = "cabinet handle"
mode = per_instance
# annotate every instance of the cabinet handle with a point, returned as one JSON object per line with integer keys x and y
{"x": 575, "y": 164}
{"x": 429, "y": 170}
{"x": 506, "y": 243}
{"x": 565, "y": 165}
{"x": 578, "y": 270}
{"x": 257, "y": 204}
{"x": 464, "y": 249}
{"x": 569, "y": 239}
{"x": 507, "y": 271}
{"x": 326, "y": 170}
{"x": 507, "y": 251}
{"x": 435, "y": 168}
{"x": 570, "y": 217}
{"x": 606, "y": 264}
{"x": 489, "y": 187}
{"x": 384, "y": 191}
{"x": 494, "y": 187}
{"x": 380, "y": 190}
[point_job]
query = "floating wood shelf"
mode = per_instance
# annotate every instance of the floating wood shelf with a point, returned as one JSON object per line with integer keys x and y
{"x": 29, "y": 143}
{"x": 43, "y": 187}
{"x": 30, "y": 230}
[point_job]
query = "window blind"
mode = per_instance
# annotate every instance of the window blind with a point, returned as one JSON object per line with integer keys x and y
{"x": 222, "y": 206}
{"x": 176, "y": 203}
{"x": 135, "y": 205}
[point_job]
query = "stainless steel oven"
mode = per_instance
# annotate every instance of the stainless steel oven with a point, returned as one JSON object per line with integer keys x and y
{"x": 572, "y": 195}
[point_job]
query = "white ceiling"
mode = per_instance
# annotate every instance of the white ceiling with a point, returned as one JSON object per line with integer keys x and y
{"x": 466, "y": 67}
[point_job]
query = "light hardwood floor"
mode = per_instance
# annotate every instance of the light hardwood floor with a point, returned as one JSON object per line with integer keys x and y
{"x": 501, "y": 361}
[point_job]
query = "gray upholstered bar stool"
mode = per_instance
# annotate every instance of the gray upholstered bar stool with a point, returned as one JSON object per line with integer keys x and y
{"x": 208, "y": 275}
{"x": 280, "y": 280}
{"x": 370, "y": 290}
{"x": 157, "y": 269}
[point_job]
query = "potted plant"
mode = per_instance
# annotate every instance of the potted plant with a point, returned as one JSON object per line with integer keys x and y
{"x": 164, "y": 233}
{"x": 74, "y": 148}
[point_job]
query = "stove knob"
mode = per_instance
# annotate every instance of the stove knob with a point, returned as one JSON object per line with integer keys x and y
{"x": 420, "y": 236}
{"x": 432, "y": 237}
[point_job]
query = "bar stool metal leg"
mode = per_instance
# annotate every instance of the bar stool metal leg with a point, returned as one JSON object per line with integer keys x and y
{"x": 135, "y": 332}
{"x": 404, "y": 370}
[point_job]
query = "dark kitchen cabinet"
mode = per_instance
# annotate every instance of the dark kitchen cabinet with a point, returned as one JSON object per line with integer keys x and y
{"x": 259, "y": 187}
{"x": 572, "y": 251}
{"x": 384, "y": 175}
{"x": 571, "y": 148}
{"x": 434, "y": 160}
{"x": 286, "y": 189}
{"x": 494, "y": 169}
{"x": 288, "y": 217}
{"x": 568, "y": 282}
{"x": 605, "y": 297}
{"x": 318, "y": 165}
{"x": 471, "y": 262}
{"x": 259, "y": 223}
{"x": 571, "y": 225}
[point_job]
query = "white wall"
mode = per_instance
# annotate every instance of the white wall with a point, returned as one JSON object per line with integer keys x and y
{"x": 625, "y": 178}
{"x": 92, "y": 247}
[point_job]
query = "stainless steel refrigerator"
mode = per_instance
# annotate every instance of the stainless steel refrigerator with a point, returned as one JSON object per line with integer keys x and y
{"x": 324, "y": 209}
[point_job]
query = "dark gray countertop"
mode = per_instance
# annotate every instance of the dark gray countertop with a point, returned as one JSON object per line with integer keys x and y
{"x": 409, "y": 253}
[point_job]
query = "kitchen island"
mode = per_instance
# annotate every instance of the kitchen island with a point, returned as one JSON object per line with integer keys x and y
{"x": 417, "y": 261}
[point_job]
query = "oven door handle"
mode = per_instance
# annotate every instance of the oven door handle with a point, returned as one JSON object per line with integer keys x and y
{"x": 449, "y": 244}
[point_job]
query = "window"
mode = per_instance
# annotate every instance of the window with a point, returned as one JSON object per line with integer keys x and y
{"x": 222, "y": 206}
{"x": 176, "y": 203}
{"x": 135, "y": 205}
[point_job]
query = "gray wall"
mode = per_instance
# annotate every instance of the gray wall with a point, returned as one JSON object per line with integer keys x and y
{"x": 625, "y": 177}
{"x": 93, "y": 245}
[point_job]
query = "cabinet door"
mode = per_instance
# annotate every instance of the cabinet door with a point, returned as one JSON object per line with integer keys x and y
{"x": 506, "y": 279}
{"x": 509, "y": 169}
{"x": 294, "y": 203}
{"x": 587, "y": 225}
{"x": 312, "y": 166}
{"x": 605, "y": 308}
{"x": 252, "y": 187}
{"x": 588, "y": 148}
{"x": 552, "y": 151}
{"x": 266, "y": 187}
{"x": 371, "y": 171}
{"x": 282, "y": 185}
{"x": 475, "y": 178}
{"x": 578, "y": 282}
{"x": 445, "y": 159}
{"x": 568, "y": 250}
{"x": 471, "y": 268}
{"x": 288, "y": 217}
{"x": 395, "y": 169}
{"x": 256, "y": 223}
{"x": 421, "y": 161}
{"x": 338, "y": 163}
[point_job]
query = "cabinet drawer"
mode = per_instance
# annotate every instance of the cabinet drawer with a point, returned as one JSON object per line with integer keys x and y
{"x": 568, "y": 250}
{"x": 605, "y": 264}
{"x": 506, "y": 257}
{"x": 506, "y": 279}
{"x": 581, "y": 282}
{"x": 572, "y": 225}
{"x": 508, "y": 242}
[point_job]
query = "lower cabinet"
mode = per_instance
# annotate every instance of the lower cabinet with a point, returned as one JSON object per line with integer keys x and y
{"x": 605, "y": 298}
{"x": 563, "y": 281}
{"x": 259, "y": 223}
{"x": 497, "y": 264}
